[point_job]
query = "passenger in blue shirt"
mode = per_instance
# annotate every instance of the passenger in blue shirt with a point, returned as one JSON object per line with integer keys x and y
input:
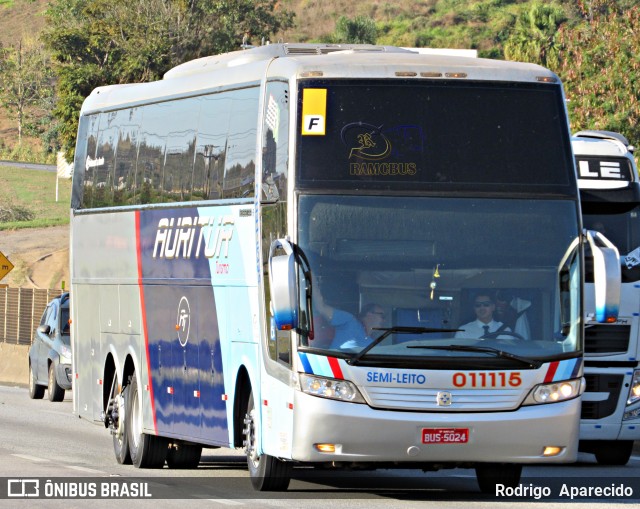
{"x": 350, "y": 332}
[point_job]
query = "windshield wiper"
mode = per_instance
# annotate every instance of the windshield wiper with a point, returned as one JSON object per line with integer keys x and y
{"x": 484, "y": 349}
{"x": 394, "y": 330}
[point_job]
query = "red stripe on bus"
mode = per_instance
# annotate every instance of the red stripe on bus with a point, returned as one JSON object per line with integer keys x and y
{"x": 335, "y": 367}
{"x": 144, "y": 320}
{"x": 552, "y": 371}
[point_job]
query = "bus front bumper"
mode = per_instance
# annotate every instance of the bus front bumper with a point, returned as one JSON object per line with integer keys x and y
{"x": 361, "y": 434}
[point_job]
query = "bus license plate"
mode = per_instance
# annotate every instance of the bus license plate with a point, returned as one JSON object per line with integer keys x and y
{"x": 445, "y": 435}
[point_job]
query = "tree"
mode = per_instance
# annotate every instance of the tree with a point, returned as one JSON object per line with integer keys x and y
{"x": 600, "y": 68}
{"x": 360, "y": 30}
{"x": 534, "y": 35}
{"x": 25, "y": 83}
{"x": 100, "y": 42}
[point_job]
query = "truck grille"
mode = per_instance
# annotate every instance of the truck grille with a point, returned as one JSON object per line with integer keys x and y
{"x": 612, "y": 385}
{"x": 603, "y": 339}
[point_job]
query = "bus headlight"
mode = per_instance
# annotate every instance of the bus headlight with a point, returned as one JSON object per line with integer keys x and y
{"x": 555, "y": 392}
{"x": 634, "y": 390}
{"x": 330, "y": 388}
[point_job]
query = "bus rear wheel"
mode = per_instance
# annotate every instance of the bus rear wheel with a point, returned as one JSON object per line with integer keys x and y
{"x": 147, "y": 451}
{"x": 491, "y": 474}
{"x": 117, "y": 409}
{"x": 266, "y": 472}
{"x": 184, "y": 456}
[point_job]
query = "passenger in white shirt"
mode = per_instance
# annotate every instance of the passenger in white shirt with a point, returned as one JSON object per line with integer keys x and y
{"x": 484, "y": 307}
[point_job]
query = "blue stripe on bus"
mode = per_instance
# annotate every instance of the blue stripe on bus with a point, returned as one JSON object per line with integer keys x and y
{"x": 305, "y": 363}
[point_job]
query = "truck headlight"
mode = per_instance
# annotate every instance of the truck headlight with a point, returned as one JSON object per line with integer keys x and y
{"x": 330, "y": 388}
{"x": 634, "y": 390}
{"x": 555, "y": 392}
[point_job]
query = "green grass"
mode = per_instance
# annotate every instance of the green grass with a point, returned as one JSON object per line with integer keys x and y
{"x": 35, "y": 191}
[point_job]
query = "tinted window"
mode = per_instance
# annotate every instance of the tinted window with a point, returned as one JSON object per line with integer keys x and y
{"x": 104, "y": 173}
{"x": 124, "y": 183}
{"x": 181, "y": 141}
{"x": 211, "y": 145}
{"x": 151, "y": 154}
{"x": 429, "y": 134}
{"x": 275, "y": 142}
{"x": 190, "y": 149}
{"x": 85, "y": 163}
{"x": 239, "y": 169}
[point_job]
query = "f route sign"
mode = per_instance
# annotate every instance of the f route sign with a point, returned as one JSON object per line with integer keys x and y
{"x": 5, "y": 265}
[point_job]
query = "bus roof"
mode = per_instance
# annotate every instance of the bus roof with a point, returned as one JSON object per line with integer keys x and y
{"x": 310, "y": 60}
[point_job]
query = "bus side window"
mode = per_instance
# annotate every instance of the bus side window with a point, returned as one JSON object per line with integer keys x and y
{"x": 105, "y": 160}
{"x": 181, "y": 140}
{"x": 240, "y": 166}
{"x": 211, "y": 145}
{"x": 151, "y": 155}
{"x": 124, "y": 184}
{"x": 83, "y": 196}
{"x": 275, "y": 142}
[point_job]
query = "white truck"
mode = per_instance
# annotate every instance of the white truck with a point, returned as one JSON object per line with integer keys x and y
{"x": 610, "y": 198}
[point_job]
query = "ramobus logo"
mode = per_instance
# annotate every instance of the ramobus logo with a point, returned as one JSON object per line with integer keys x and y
{"x": 185, "y": 237}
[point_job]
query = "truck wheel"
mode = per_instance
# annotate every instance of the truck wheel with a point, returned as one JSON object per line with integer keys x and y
{"x": 35, "y": 391}
{"x": 184, "y": 456}
{"x": 266, "y": 472}
{"x": 490, "y": 474}
{"x": 56, "y": 393}
{"x": 614, "y": 452}
{"x": 147, "y": 451}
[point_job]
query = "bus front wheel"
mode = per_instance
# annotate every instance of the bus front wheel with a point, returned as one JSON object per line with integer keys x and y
{"x": 147, "y": 451}
{"x": 266, "y": 472}
{"x": 491, "y": 474}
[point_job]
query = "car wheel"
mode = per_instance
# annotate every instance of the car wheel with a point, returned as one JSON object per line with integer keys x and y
{"x": 147, "y": 451}
{"x": 56, "y": 393}
{"x": 35, "y": 391}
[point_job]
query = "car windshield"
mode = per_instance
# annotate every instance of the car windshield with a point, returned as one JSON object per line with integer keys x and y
{"x": 64, "y": 324}
{"x": 430, "y": 273}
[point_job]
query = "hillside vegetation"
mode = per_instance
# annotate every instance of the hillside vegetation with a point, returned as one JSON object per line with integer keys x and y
{"x": 592, "y": 44}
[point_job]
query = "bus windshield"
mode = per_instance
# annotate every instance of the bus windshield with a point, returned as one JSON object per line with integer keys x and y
{"x": 431, "y": 135}
{"x": 442, "y": 268}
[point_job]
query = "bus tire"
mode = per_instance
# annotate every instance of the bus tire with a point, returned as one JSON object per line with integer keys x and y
{"x": 266, "y": 472}
{"x": 184, "y": 456}
{"x": 490, "y": 474}
{"x": 147, "y": 451}
{"x": 613, "y": 452}
{"x": 120, "y": 435}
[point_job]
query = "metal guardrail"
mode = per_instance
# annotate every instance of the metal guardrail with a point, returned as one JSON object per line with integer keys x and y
{"x": 20, "y": 313}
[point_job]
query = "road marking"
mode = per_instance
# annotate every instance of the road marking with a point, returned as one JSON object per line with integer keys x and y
{"x": 85, "y": 469}
{"x": 225, "y": 501}
{"x": 31, "y": 458}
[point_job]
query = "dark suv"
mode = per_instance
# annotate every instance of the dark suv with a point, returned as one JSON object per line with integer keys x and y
{"x": 50, "y": 353}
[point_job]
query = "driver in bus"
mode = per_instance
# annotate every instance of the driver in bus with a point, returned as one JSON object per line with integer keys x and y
{"x": 484, "y": 307}
{"x": 350, "y": 332}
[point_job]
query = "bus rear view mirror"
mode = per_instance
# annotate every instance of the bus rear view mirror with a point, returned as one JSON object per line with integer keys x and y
{"x": 606, "y": 275}
{"x": 283, "y": 285}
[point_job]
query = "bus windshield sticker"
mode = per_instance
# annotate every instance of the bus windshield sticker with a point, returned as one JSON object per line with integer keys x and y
{"x": 314, "y": 111}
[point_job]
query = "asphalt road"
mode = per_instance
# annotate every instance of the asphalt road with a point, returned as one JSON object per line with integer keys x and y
{"x": 43, "y": 441}
{"x": 29, "y": 166}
